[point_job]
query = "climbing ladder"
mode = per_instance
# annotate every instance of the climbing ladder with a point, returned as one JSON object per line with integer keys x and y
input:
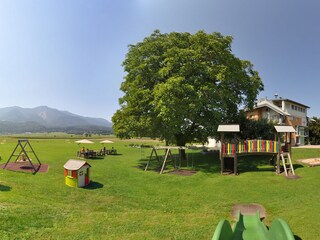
{"x": 285, "y": 157}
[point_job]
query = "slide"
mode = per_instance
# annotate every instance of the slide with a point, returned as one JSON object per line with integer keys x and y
{"x": 250, "y": 227}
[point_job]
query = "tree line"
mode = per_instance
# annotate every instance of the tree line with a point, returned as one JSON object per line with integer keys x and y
{"x": 7, "y": 127}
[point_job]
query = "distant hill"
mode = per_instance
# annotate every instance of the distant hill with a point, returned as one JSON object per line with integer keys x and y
{"x": 43, "y": 118}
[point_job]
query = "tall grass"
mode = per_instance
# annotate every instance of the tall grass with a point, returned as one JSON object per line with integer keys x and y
{"x": 125, "y": 202}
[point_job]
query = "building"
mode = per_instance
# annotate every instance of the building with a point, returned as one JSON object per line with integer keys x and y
{"x": 284, "y": 112}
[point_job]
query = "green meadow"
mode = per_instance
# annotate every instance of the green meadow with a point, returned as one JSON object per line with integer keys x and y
{"x": 125, "y": 202}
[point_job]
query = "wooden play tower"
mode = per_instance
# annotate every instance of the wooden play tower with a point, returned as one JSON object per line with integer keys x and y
{"x": 233, "y": 149}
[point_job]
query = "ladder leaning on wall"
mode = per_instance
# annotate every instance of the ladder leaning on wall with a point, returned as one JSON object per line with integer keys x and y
{"x": 286, "y": 159}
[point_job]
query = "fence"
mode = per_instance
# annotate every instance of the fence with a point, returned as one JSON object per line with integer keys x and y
{"x": 250, "y": 146}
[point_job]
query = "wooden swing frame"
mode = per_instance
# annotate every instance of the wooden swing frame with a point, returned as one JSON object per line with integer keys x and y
{"x": 167, "y": 156}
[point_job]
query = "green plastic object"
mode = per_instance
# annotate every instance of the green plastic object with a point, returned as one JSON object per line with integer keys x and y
{"x": 249, "y": 227}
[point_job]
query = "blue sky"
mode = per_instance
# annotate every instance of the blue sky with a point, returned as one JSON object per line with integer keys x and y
{"x": 67, "y": 54}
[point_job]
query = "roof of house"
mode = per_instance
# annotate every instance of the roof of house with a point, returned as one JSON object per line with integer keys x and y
{"x": 288, "y": 100}
{"x": 266, "y": 103}
{"x": 75, "y": 164}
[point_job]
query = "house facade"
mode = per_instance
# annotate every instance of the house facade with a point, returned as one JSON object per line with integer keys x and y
{"x": 283, "y": 112}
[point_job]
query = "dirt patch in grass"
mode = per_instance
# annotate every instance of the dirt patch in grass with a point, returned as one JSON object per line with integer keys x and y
{"x": 183, "y": 172}
{"x": 25, "y": 167}
{"x": 248, "y": 209}
{"x": 292, "y": 177}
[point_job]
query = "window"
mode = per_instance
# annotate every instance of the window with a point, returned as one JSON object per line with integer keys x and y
{"x": 72, "y": 173}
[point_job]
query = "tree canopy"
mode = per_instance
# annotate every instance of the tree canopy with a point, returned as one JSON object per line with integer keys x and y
{"x": 180, "y": 86}
{"x": 255, "y": 129}
{"x": 314, "y": 130}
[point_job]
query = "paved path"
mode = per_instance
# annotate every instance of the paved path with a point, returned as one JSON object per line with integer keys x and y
{"x": 307, "y": 146}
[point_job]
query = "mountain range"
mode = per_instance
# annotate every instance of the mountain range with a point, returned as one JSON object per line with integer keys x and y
{"x": 46, "y": 119}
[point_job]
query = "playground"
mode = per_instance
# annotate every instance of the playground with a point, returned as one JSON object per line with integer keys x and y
{"x": 22, "y": 161}
{"x": 279, "y": 150}
{"x": 123, "y": 201}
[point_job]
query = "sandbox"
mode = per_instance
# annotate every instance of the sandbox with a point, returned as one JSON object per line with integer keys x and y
{"x": 312, "y": 162}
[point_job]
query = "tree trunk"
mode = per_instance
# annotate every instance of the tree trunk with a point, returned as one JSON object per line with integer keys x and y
{"x": 180, "y": 140}
{"x": 182, "y": 154}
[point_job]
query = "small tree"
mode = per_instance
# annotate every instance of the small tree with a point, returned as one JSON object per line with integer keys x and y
{"x": 180, "y": 87}
{"x": 255, "y": 129}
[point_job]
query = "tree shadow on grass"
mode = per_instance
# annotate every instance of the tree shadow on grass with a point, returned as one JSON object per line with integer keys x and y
{"x": 154, "y": 165}
{"x": 95, "y": 158}
{"x": 115, "y": 154}
{"x": 297, "y": 165}
{"x": 255, "y": 163}
{"x": 259, "y": 163}
{"x": 207, "y": 162}
{"x": 93, "y": 185}
{"x": 4, "y": 188}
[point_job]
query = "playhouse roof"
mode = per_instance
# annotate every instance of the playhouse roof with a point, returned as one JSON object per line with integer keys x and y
{"x": 284, "y": 129}
{"x": 75, "y": 164}
{"x": 229, "y": 128}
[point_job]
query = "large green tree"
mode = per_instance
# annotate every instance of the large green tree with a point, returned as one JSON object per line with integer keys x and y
{"x": 180, "y": 86}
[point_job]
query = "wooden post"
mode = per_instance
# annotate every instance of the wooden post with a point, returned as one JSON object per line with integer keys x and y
{"x": 221, "y": 154}
{"x": 165, "y": 159}
{"x": 153, "y": 150}
{"x": 235, "y": 162}
{"x": 278, "y": 155}
{"x": 290, "y": 142}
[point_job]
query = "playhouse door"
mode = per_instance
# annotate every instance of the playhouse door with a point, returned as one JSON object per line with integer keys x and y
{"x": 87, "y": 179}
{"x": 81, "y": 177}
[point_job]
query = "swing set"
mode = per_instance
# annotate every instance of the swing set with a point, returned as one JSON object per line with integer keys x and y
{"x": 168, "y": 156}
{"x": 22, "y": 152}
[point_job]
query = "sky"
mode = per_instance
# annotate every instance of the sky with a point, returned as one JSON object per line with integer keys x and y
{"x": 68, "y": 54}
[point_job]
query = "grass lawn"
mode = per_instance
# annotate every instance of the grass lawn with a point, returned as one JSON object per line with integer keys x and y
{"x": 125, "y": 202}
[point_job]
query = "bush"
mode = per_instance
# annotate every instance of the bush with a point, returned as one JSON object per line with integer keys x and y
{"x": 314, "y": 131}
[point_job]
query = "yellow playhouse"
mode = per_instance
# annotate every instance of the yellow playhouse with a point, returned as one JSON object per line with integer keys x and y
{"x": 76, "y": 173}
